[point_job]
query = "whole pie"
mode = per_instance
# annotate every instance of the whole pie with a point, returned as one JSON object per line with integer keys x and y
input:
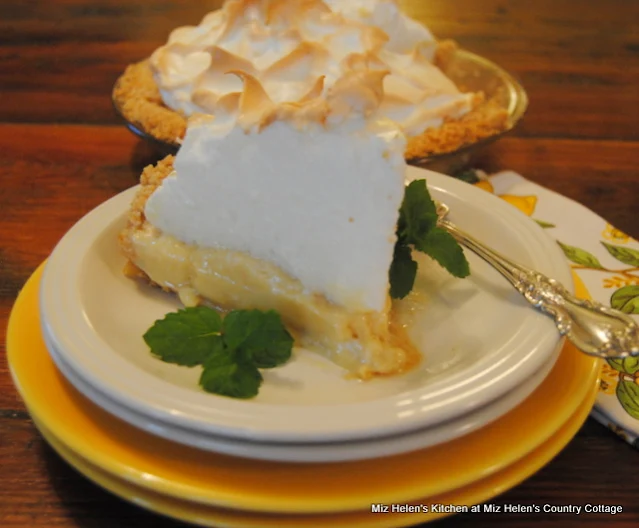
{"x": 287, "y": 46}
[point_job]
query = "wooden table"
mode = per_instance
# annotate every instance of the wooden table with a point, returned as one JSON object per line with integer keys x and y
{"x": 63, "y": 152}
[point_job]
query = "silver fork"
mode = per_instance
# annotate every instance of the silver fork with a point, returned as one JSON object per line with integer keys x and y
{"x": 592, "y": 327}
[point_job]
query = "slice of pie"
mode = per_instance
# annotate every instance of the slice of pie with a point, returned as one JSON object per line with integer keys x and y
{"x": 286, "y": 206}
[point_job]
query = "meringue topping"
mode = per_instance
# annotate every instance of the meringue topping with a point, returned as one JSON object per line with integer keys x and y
{"x": 294, "y": 53}
{"x": 277, "y": 181}
{"x": 347, "y": 105}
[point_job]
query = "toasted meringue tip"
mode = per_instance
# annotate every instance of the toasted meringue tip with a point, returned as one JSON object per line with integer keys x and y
{"x": 252, "y": 87}
{"x": 206, "y": 99}
{"x": 255, "y": 106}
{"x": 200, "y": 118}
{"x": 241, "y": 74}
{"x": 377, "y": 76}
{"x": 377, "y": 36}
{"x": 315, "y": 91}
{"x": 229, "y": 102}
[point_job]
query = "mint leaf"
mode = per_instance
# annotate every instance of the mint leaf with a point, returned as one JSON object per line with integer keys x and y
{"x": 403, "y": 271}
{"x": 417, "y": 227}
{"x": 418, "y": 213}
{"x": 442, "y": 246}
{"x": 258, "y": 337}
{"x": 223, "y": 374}
{"x": 186, "y": 337}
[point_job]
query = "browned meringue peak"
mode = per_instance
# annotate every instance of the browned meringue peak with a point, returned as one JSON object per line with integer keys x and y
{"x": 255, "y": 107}
{"x": 302, "y": 60}
{"x": 222, "y": 62}
{"x": 435, "y": 81}
{"x": 357, "y": 94}
{"x": 225, "y": 105}
{"x": 278, "y": 12}
{"x": 266, "y": 16}
{"x": 315, "y": 92}
{"x": 300, "y": 63}
{"x": 291, "y": 27}
{"x": 179, "y": 58}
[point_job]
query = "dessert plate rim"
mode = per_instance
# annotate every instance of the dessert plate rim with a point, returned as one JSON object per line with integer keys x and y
{"x": 183, "y": 509}
{"x": 68, "y": 326}
{"x": 363, "y": 449}
{"x": 210, "y": 478}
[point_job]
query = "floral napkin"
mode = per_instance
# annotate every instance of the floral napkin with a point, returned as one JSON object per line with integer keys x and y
{"x": 606, "y": 261}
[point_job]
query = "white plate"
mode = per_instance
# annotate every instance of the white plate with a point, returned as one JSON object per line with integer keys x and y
{"x": 480, "y": 339}
{"x": 313, "y": 452}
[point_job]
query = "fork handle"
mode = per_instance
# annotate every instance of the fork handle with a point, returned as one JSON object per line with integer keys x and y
{"x": 592, "y": 327}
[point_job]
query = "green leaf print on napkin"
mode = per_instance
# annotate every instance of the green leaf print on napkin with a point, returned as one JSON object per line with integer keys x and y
{"x": 629, "y": 365}
{"x": 545, "y": 225}
{"x": 623, "y": 254}
{"x": 628, "y": 394}
{"x": 626, "y": 299}
{"x": 580, "y": 256}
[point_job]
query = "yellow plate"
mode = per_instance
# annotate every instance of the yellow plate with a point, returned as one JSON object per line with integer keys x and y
{"x": 474, "y": 493}
{"x": 190, "y": 474}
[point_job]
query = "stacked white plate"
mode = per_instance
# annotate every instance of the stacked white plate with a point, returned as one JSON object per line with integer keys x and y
{"x": 484, "y": 349}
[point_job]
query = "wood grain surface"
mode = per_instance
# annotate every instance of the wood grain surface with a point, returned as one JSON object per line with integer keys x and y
{"x": 63, "y": 151}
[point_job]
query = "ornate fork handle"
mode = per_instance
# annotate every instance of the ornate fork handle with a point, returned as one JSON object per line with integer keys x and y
{"x": 592, "y": 327}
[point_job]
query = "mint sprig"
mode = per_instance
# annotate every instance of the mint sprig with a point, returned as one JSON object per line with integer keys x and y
{"x": 417, "y": 228}
{"x": 230, "y": 350}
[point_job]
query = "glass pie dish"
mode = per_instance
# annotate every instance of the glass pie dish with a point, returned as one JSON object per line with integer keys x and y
{"x": 473, "y": 73}
{"x": 503, "y": 94}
